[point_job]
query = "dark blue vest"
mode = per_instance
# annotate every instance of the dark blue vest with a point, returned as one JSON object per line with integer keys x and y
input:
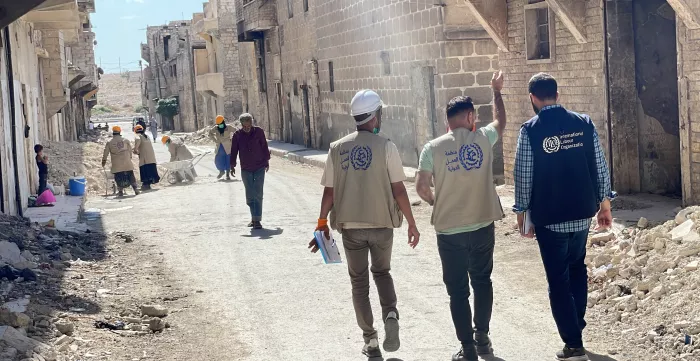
{"x": 565, "y": 175}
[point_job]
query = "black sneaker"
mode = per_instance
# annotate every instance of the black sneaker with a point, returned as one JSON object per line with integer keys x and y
{"x": 483, "y": 343}
{"x": 257, "y": 225}
{"x": 371, "y": 349}
{"x": 251, "y": 224}
{"x": 572, "y": 354}
{"x": 467, "y": 353}
{"x": 221, "y": 174}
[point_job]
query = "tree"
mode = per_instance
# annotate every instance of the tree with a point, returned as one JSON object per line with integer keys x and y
{"x": 168, "y": 108}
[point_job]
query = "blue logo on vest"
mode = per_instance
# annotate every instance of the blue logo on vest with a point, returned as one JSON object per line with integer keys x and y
{"x": 471, "y": 156}
{"x": 361, "y": 157}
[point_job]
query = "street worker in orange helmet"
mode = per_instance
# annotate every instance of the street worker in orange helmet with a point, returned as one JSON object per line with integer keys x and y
{"x": 120, "y": 151}
{"x": 178, "y": 152}
{"x": 147, "y": 159}
{"x": 221, "y": 135}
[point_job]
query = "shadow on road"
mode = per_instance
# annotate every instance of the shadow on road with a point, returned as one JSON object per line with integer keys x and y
{"x": 491, "y": 358}
{"x": 596, "y": 357}
{"x": 263, "y": 233}
{"x": 389, "y": 359}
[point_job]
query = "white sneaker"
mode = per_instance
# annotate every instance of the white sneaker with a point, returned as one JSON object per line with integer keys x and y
{"x": 391, "y": 330}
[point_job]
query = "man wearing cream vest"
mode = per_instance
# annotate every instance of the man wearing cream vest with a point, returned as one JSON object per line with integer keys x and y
{"x": 465, "y": 206}
{"x": 366, "y": 198}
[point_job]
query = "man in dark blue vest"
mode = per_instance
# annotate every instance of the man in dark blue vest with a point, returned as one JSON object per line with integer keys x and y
{"x": 561, "y": 182}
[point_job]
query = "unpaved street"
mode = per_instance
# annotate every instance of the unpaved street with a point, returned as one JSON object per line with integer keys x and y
{"x": 260, "y": 295}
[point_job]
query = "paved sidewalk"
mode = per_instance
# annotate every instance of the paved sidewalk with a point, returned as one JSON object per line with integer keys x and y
{"x": 315, "y": 157}
{"x": 66, "y": 213}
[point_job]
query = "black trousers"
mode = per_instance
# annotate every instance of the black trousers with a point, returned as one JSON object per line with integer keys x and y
{"x": 43, "y": 178}
{"x": 469, "y": 256}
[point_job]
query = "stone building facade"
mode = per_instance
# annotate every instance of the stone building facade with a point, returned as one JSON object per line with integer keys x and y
{"x": 319, "y": 53}
{"x": 48, "y": 77}
{"x": 171, "y": 73}
{"x": 629, "y": 65}
{"x": 217, "y": 65}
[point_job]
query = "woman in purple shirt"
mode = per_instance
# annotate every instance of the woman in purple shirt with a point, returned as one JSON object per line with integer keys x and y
{"x": 251, "y": 145}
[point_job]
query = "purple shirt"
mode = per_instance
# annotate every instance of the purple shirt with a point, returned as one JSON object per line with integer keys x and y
{"x": 252, "y": 148}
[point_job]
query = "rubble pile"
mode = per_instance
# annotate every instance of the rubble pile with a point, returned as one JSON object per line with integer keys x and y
{"x": 68, "y": 159}
{"x": 645, "y": 283}
{"x": 62, "y": 294}
{"x": 201, "y": 137}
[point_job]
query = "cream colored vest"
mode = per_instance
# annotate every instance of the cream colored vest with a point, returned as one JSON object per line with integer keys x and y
{"x": 361, "y": 186}
{"x": 465, "y": 193}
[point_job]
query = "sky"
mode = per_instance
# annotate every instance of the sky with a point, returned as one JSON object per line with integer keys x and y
{"x": 120, "y": 27}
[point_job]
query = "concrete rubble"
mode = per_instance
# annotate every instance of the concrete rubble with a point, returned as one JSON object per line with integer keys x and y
{"x": 43, "y": 318}
{"x": 644, "y": 283}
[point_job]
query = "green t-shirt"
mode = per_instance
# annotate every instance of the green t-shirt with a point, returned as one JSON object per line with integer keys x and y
{"x": 426, "y": 165}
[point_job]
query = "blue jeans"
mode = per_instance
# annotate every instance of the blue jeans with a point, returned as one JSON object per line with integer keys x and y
{"x": 563, "y": 256}
{"x": 254, "y": 182}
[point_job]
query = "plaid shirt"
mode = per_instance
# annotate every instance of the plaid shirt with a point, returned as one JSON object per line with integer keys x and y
{"x": 523, "y": 174}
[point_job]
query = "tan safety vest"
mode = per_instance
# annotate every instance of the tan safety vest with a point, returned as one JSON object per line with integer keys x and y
{"x": 361, "y": 186}
{"x": 465, "y": 193}
{"x": 144, "y": 149}
{"x": 179, "y": 151}
{"x": 120, "y": 150}
{"x": 224, "y": 139}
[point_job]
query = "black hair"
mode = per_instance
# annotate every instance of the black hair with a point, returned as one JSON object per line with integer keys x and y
{"x": 38, "y": 148}
{"x": 543, "y": 86}
{"x": 459, "y": 105}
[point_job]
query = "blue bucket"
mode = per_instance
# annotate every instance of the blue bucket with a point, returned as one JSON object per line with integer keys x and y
{"x": 77, "y": 186}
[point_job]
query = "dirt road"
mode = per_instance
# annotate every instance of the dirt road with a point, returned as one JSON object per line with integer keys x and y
{"x": 260, "y": 295}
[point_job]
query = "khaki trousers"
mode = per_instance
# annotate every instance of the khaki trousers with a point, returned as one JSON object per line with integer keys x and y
{"x": 377, "y": 243}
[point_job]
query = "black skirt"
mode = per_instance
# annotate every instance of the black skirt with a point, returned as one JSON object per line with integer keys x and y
{"x": 149, "y": 174}
{"x": 124, "y": 179}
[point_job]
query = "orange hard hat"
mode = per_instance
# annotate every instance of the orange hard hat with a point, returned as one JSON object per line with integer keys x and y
{"x": 219, "y": 119}
{"x": 165, "y": 139}
{"x": 117, "y": 129}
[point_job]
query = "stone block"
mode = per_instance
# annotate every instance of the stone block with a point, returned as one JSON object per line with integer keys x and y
{"x": 476, "y": 63}
{"x": 484, "y": 78}
{"x": 450, "y": 65}
{"x": 480, "y": 95}
{"x": 457, "y": 80}
{"x": 485, "y": 113}
{"x": 485, "y": 47}
{"x": 459, "y": 48}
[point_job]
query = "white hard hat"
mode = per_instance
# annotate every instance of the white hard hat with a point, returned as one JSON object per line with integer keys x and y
{"x": 364, "y": 102}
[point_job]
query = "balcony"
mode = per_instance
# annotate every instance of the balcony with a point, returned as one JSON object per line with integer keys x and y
{"x": 211, "y": 84}
{"x": 206, "y": 28}
{"x": 87, "y": 6}
{"x": 257, "y": 15}
{"x": 57, "y": 15}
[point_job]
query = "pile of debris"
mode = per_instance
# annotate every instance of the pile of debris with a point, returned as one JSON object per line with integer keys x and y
{"x": 645, "y": 284}
{"x": 98, "y": 136}
{"x": 68, "y": 159}
{"x": 62, "y": 293}
{"x": 32, "y": 261}
{"x": 201, "y": 137}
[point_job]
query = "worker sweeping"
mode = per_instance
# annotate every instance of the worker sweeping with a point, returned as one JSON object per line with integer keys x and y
{"x": 178, "y": 152}
{"x": 147, "y": 159}
{"x": 120, "y": 151}
{"x": 221, "y": 135}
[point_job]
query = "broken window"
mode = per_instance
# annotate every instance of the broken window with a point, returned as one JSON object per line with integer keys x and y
{"x": 290, "y": 8}
{"x": 306, "y": 5}
{"x": 262, "y": 76}
{"x": 330, "y": 76}
{"x": 539, "y": 31}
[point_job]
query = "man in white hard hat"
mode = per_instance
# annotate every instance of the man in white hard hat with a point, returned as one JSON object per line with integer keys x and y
{"x": 366, "y": 198}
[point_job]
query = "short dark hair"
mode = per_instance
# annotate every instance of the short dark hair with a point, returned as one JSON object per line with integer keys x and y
{"x": 38, "y": 148}
{"x": 459, "y": 105}
{"x": 543, "y": 86}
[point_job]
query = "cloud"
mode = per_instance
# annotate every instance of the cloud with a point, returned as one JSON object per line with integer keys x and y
{"x": 129, "y": 17}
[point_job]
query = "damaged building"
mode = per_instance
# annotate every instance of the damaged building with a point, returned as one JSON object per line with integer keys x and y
{"x": 49, "y": 84}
